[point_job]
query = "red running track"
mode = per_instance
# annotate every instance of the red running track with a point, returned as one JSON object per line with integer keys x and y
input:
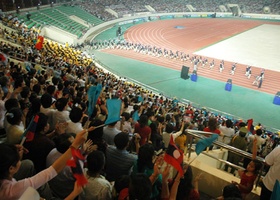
{"x": 198, "y": 33}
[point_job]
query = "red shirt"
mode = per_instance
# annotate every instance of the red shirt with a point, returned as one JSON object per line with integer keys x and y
{"x": 217, "y": 131}
{"x": 144, "y": 132}
{"x": 245, "y": 180}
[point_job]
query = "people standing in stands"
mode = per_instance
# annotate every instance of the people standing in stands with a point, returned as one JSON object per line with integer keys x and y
{"x": 227, "y": 132}
{"x": 169, "y": 129}
{"x": 249, "y": 175}
{"x": 212, "y": 127}
{"x": 238, "y": 142}
{"x": 251, "y": 139}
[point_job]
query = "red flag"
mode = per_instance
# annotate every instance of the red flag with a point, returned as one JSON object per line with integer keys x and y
{"x": 3, "y": 58}
{"x": 28, "y": 134}
{"x": 39, "y": 42}
{"x": 75, "y": 164}
{"x": 174, "y": 156}
{"x": 250, "y": 126}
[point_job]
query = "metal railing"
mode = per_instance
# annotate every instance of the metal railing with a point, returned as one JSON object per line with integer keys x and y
{"x": 200, "y": 135}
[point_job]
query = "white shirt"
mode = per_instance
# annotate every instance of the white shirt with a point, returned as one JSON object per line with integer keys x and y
{"x": 273, "y": 159}
{"x": 226, "y": 134}
{"x": 49, "y": 113}
{"x": 260, "y": 141}
{"x": 166, "y": 137}
{"x": 60, "y": 116}
{"x": 73, "y": 127}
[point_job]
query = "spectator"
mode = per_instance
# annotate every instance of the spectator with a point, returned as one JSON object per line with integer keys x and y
{"x": 10, "y": 163}
{"x": 15, "y": 131}
{"x": 145, "y": 165}
{"x": 272, "y": 160}
{"x": 109, "y": 133}
{"x": 46, "y": 108}
{"x": 188, "y": 188}
{"x": 143, "y": 129}
{"x": 169, "y": 128}
{"x": 238, "y": 142}
{"x": 227, "y": 132}
{"x": 74, "y": 125}
{"x": 61, "y": 114}
{"x": 41, "y": 145}
{"x": 118, "y": 160}
{"x": 97, "y": 187}
{"x": 57, "y": 184}
{"x": 250, "y": 139}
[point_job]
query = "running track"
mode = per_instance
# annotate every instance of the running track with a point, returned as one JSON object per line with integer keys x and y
{"x": 198, "y": 33}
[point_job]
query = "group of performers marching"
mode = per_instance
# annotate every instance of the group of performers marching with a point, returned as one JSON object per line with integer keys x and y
{"x": 177, "y": 55}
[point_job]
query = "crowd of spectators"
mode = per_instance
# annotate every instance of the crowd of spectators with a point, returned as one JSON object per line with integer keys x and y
{"x": 52, "y": 84}
{"x": 129, "y": 7}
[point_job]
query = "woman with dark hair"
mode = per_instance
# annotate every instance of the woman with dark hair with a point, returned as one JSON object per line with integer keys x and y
{"x": 98, "y": 187}
{"x": 96, "y": 136}
{"x": 41, "y": 145}
{"x": 156, "y": 137}
{"x": 14, "y": 131}
{"x": 212, "y": 126}
{"x": 188, "y": 188}
{"x": 140, "y": 187}
{"x": 143, "y": 129}
{"x": 145, "y": 164}
{"x": 10, "y": 157}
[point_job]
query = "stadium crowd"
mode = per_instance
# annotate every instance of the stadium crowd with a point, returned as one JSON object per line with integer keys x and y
{"x": 50, "y": 85}
{"x": 123, "y": 7}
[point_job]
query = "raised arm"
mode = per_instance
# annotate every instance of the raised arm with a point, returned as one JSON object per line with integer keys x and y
{"x": 60, "y": 163}
{"x": 255, "y": 149}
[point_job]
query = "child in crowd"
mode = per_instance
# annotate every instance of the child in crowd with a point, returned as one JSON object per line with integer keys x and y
{"x": 248, "y": 176}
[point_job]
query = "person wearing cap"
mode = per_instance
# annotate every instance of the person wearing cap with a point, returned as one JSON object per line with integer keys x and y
{"x": 239, "y": 142}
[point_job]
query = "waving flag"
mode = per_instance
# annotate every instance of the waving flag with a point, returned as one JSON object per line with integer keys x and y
{"x": 250, "y": 126}
{"x": 76, "y": 166}
{"x": 174, "y": 156}
{"x": 28, "y": 134}
{"x": 3, "y": 58}
{"x": 135, "y": 116}
{"x": 114, "y": 110}
{"x": 39, "y": 42}
{"x": 204, "y": 143}
{"x": 93, "y": 94}
{"x": 140, "y": 99}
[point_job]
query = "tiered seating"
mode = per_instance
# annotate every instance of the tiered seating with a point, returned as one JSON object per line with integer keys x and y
{"x": 68, "y": 24}
{"x": 56, "y": 18}
{"x": 69, "y": 10}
